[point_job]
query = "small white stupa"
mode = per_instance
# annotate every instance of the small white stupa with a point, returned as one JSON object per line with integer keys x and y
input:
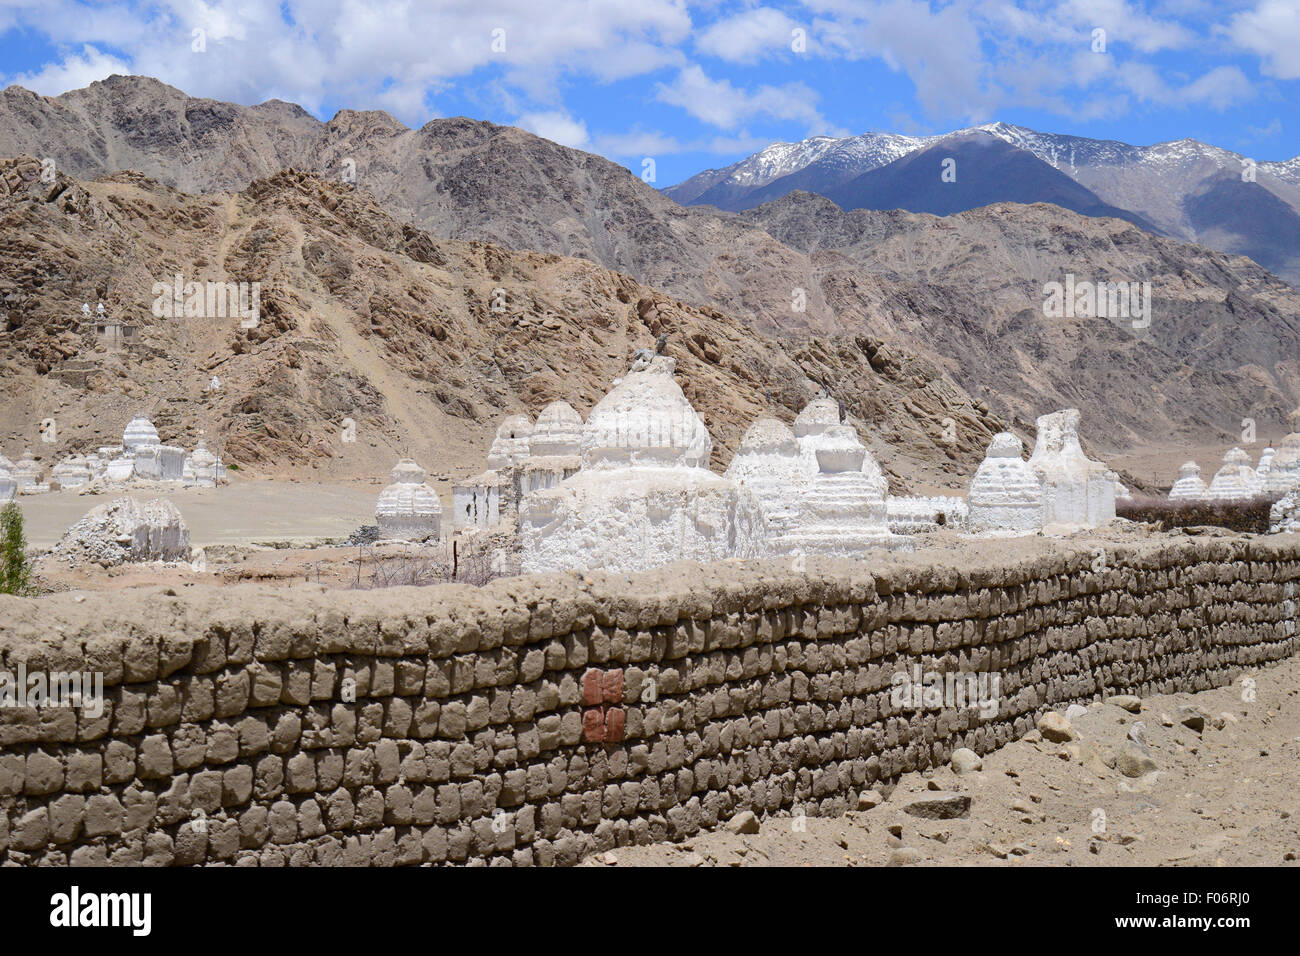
{"x": 1284, "y": 516}
{"x": 768, "y": 463}
{"x": 203, "y": 469}
{"x": 511, "y": 443}
{"x": 27, "y": 474}
{"x": 842, "y": 510}
{"x": 139, "y": 433}
{"x": 1284, "y": 469}
{"x": 1076, "y": 489}
{"x": 1189, "y": 486}
{"x": 644, "y": 495}
{"x": 8, "y": 486}
{"x": 1265, "y": 464}
{"x": 554, "y": 448}
{"x": 1006, "y": 495}
{"x": 1236, "y": 480}
{"x": 72, "y": 472}
{"x": 408, "y": 509}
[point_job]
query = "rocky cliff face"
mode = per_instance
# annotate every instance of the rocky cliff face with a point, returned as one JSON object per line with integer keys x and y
{"x": 963, "y": 294}
{"x": 424, "y": 343}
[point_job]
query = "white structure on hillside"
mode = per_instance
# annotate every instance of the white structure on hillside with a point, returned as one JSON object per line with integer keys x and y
{"x": 1236, "y": 480}
{"x": 510, "y": 446}
{"x": 408, "y": 509}
{"x": 8, "y": 486}
{"x": 1189, "y": 486}
{"x": 1076, "y": 489}
{"x": 139, "y": 433}
{"x": 1265, "y": 464}
{"x": 842, "y": 510}
{"x": 27, "y": 475}
{"x": 1284, "y": 516}
{"x": 554, "y": 448}
{"x": 203, "y": 469}
{"x": 72, "y": 472}
{"x": 769, "y": 463}
{"x": 644, "y": 495}
{"x": 1284, "y": 469}
{"x": 1006, "y": 495}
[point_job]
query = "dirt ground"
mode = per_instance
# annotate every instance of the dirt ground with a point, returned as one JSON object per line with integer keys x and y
{"x": 1223, "y": 796}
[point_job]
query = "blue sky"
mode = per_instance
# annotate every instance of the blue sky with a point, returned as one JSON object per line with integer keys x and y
{"x": 699, "y": 85}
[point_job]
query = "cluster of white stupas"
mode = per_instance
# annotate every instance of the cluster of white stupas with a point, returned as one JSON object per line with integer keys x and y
{"x": 1059, "y": 487}
{"x": 631, "y": 489}
{"x": 141, "y": 457}
{"x": 1277, "y": 472}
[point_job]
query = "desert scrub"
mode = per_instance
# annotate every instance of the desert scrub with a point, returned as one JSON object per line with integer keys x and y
{"x": 1249, "y": 516}
{"x": 15, "y": 569}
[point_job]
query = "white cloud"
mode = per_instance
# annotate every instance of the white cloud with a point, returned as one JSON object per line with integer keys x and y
{"x": 1271, "y": 30}
{"x": 557, "y": 127}
{"x": 720, "y": 104}
{"x": 73, "y": 72}
{"x": 749, "y": 35}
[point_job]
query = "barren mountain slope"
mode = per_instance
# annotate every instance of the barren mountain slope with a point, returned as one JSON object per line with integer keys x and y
{"x": 964, "y": 292}
{"x": 363, "y": 317}
{"x": 1223, "y": 342}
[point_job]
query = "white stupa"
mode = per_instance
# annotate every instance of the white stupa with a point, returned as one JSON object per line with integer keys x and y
{"x": 768, "y": 463}
{"x": 644, "y": 495}
{"x": 1284, "y": 469}
{"x": 1076, "y": 489}
{"x": 554, "y": 448}
{"x": 1006, "y": 495}
{"x": 202, "y": 468}
{"x": 72, "y": 472}
{"x": 139, "y": 433}
{"x": 842, "y": 510}
{"x": 27, "y": 474}
{"x": 8, "y": 486}
{"x": 1189, "y": 486}
{"x": 408, "y": 509}
{"x": 1265, "y": 464}
{"x": 1284, "y": 516}
{"x": 511, "y": 443}
{"x": 1236, "y": 480}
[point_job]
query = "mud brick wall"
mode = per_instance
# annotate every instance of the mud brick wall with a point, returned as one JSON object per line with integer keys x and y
{"x": 541, "y": 718}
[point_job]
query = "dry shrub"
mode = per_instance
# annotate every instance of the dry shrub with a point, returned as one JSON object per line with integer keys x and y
{"x": 1250, "y": 516}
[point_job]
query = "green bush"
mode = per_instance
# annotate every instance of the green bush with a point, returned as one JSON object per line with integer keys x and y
{"x": 15, "y": 569}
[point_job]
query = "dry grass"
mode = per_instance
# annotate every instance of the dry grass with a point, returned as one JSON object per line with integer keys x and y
{"x": 1250, "y": 516}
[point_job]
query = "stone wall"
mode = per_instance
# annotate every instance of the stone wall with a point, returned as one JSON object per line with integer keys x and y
{"x": 540, "y": 718}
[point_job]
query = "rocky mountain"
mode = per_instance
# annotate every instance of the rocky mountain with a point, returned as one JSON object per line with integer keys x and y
{"x": 1162, "y": 185}
{"x": 967, "y": 172}
{"x": 425, "y": 343}
{"x": 962, "y": 294}
{"x": 819, "y": 163}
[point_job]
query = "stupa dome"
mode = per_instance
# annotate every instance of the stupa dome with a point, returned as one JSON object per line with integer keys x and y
{"x": 510, "y": 446}
{"x": 558, "y": 431}
{"x": 1236, "y": 480}
{"x": 642, "y": 497}
{"x": 408, "y": 508}
{"x": 1006, "y": 495}
{"x": 646, "y": 420}
{"x": 139, "y": 433}
{"x": 1189, "y": 486}
{"x": 768, "y": 464}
